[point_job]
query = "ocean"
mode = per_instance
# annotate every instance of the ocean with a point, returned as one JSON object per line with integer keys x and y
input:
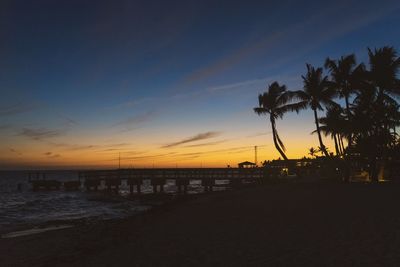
{"x": 25, "y": 208}
{"x": 22, "y": 208}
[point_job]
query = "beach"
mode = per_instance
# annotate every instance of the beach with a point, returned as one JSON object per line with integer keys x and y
{"x": 289, "y": 224}
{"x": 199, "y": 133}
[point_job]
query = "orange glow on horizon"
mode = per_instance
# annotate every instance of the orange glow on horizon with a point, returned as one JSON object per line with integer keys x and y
{"x": 220, "y": 155}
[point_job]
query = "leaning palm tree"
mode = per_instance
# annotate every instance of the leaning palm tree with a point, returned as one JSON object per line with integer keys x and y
{"x": 317, "y": 91}
{"x": 276, "y": 102}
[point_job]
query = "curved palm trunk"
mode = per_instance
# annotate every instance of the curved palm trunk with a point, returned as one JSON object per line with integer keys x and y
{"x": 341, "y": 144}
{"x": 274, "y": 136}
{"x": 321, "y": 144}
{"x": 336, "y": 145}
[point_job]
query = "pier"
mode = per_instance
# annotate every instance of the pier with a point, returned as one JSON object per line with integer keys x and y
{"x": 39, "y": 182}
{"x": 93, "y": 180}
{"x": 182, "y": 178}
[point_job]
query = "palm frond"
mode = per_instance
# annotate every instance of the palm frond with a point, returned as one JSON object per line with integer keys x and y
{"x": 260, "y": 111}
{"x": 296, "y": 107}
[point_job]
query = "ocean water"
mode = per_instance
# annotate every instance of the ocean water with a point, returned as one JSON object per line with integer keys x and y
{"x": 25, "y": 208}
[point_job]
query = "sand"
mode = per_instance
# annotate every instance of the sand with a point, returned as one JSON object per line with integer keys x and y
{"x": 293, "y": 224}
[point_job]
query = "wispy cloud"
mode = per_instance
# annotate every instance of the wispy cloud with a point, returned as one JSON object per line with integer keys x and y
{"x": 76, "y": 147}
{"x": 15, "y": 109}
{"x": 197, "y": 137}
{"x": 259, "y": 134}
{"x": 147, "y": 157}
{"x": 243, "y": 84}
{"x": 40, "y": 133}
{"x": 68, "y": 120}
{"x": 110, "y": 150}
{"x": 117, "y": 145}
{"x": 207, "y": 144}
{"x": 73, "y": 146}
{"x": 231, "y": 150}
{"x": 273, "y": 44}
{"x": 122, "y": 147}
{"x": 5, "y": 127}
{"x": 51, "y": 155}
{"x": 194, "y": 155}
{"x": 134, "y": 121}
{"x": 12, "y": 150}
{"x": 176, "y": 156}
{"x": 133, "y": 103}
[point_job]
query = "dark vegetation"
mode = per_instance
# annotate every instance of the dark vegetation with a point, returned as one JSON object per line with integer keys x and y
{"x": 364, "y": 128}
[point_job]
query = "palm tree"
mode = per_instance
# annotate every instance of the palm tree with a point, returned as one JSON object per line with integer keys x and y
{"x": 346, "y": 78}
{"x": 275, "y": 103}
{"x": 375, "y": 109}
{"x": 318, "y": 91}
{"x": 334, "y": 124}
{"x": 313, "y": 152}
{"x": 384, "y": 66}
{"x": 382, "y": 76}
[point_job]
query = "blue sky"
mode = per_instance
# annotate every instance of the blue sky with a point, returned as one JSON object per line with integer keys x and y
{"x": 148, "y": 73}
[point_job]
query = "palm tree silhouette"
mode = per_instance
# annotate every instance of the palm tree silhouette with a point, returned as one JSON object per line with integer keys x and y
{"x": 335, "y": 125}
{"x": 382, "y": 78}
{"x": 375, "y": 109}
{"x": 313, "y": 152}
{"x": 346, "y": 77}
{"x": 368, "y": 121}
{"x": 384, "y": 66}
{"x": 318, "y": 91}
{"x": 275, "y": 103}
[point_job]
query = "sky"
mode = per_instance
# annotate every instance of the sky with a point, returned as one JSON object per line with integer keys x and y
{"x": 166, "y": 83}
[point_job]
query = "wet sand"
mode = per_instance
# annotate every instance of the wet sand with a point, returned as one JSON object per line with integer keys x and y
{"x": 293, "y": 224}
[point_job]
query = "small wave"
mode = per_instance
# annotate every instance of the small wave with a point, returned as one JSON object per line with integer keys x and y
{"x": 34, "y": 231}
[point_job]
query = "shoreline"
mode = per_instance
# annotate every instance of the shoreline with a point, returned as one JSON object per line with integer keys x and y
{"x": 145, "y": 203}
{"x": 312, "y": 224}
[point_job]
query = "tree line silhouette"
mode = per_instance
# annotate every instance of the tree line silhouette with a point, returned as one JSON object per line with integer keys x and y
{"x": 364, "y": 129}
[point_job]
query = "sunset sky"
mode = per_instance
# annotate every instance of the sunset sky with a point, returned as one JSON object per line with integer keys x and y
{"x": 166, "y": 83}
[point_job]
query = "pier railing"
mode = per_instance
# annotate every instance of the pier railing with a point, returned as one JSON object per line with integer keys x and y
{"x": 182, "y": 177}
{"x": 181, "y": 173}
{"x": 93, "y": 180}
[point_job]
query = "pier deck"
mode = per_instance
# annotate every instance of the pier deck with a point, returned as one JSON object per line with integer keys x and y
{"x": 93, "y": 180}
{"x": 181, "y": 176}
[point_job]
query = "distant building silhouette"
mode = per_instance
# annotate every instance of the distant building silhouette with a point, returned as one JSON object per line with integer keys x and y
{"x": 246, "y": 164}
